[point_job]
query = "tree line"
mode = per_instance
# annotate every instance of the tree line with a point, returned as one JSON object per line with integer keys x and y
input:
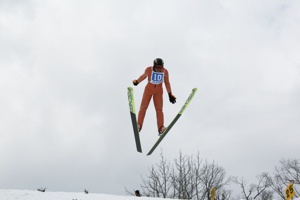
{"x": 190, "y": 177}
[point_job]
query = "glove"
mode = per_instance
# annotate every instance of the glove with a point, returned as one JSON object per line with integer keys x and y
{"x": 135, "y": 82}
{"x": 172, "y": 98}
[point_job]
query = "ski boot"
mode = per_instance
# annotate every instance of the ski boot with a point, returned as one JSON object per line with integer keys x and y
{"x": 161, "y": 130}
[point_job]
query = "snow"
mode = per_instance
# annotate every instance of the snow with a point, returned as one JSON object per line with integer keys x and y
{"x": 36, "y": 195}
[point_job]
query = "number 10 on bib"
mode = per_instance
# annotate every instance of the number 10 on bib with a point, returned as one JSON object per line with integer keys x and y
{"x": 156, "y": 77}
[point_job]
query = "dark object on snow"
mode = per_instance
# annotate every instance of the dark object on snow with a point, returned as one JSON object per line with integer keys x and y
{"x": 137, "y": 193}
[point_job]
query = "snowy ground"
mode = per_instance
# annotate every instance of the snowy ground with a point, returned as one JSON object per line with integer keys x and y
{"x": 35, "y": 195}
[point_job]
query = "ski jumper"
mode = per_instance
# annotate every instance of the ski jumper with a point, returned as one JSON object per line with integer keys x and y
{"x": 154, "y": 88}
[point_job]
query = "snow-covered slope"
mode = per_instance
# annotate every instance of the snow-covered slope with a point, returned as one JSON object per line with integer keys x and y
{"x": 35, "y": 195}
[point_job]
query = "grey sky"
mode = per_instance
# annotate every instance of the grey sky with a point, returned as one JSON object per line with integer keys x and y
{"x": 65, "y": 66}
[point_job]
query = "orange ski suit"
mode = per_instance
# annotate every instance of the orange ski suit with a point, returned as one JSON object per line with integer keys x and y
{"x": 154, "y": 88}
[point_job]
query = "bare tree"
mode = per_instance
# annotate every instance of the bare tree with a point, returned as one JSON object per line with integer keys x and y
{"x": 267, "y": 195}
{"x": 222, "y": 194}
{"x": 257, "y": 189}
{"x": 288, "y": 170}
{"x": 211, "y": 176}
{"x": 246, "y": 193}
{"x": 188, "y": 178}
{"x": 158, "y": 182}
{"x": 182, "y": 179}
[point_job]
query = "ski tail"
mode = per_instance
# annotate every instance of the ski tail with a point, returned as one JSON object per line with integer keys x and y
{"x": 187, "y": 102}
{"x": 133, "y": 119}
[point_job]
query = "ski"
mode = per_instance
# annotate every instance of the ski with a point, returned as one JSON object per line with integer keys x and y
{"x": 133, "y": 119}
{"x": 174, "y": 121}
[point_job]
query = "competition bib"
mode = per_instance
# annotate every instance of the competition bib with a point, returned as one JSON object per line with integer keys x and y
{"x": 157, "y": 77}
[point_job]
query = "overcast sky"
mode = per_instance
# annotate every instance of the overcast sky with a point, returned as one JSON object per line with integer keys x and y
{"x": 65, "y": 66}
